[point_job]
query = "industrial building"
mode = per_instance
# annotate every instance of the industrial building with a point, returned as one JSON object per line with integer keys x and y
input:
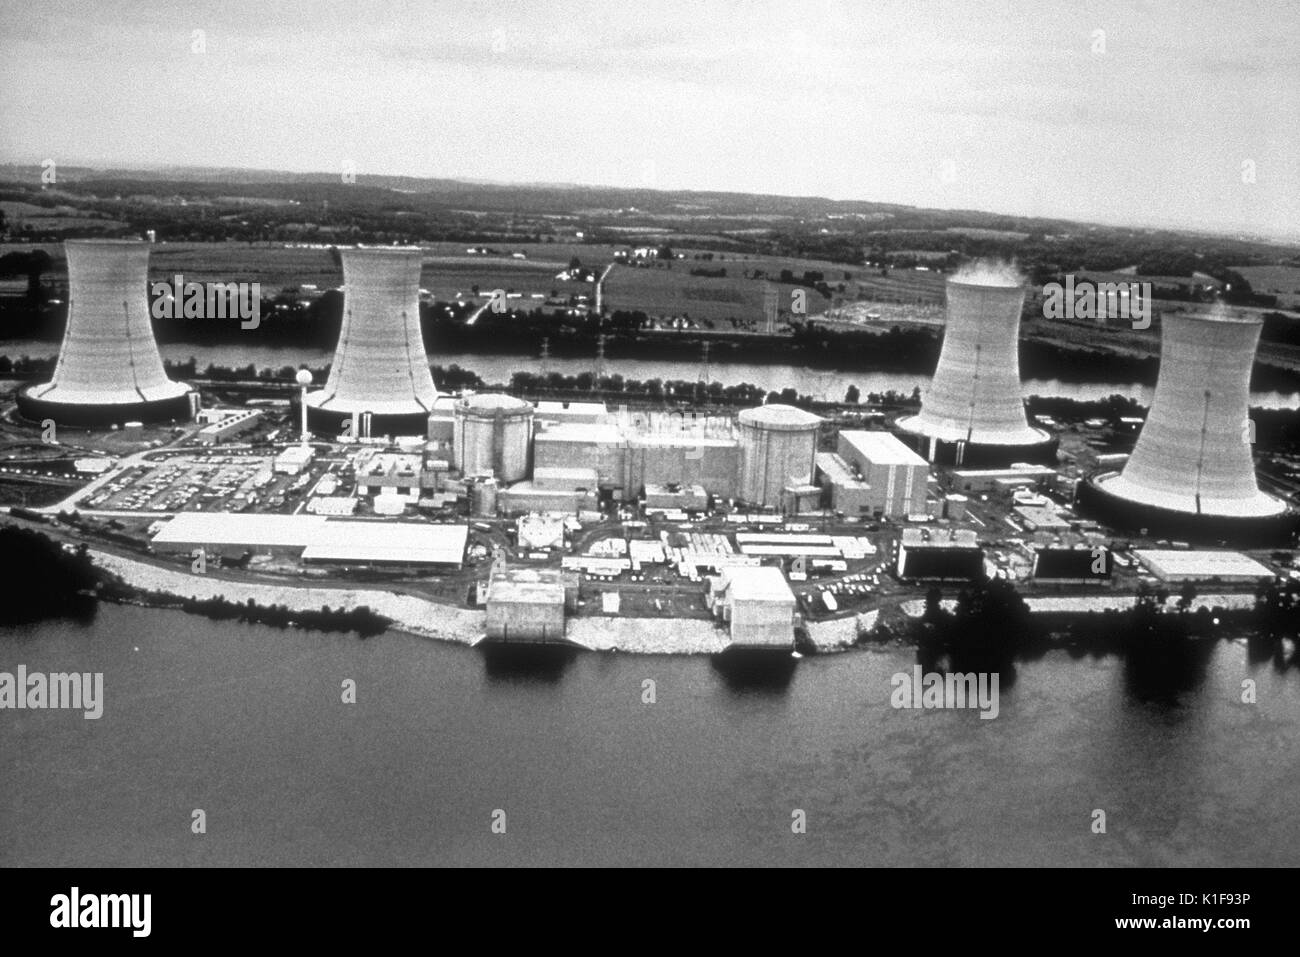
{"x": 393, "y": 473}
{"x": 109, "y": 371}
{"x": 972, "y": 412}
{"x": 294, "y": 459}
{"x": 758, "y": 604}
{"x": 572, "y": 413}
{"x": 1078, "y": 564}
{"x": 380, "y": 376}
{"x": 314, "y": 538}
{"x": 682, "y": 498}
{"x": 1181, "y": 565}
{"x": 778, "y": 448}
{"x": 528, "y": 605}
{"x": 599, "y": 447}
{"x": 874, "y": 474}
{"x": 227, "y": 424}
{"x": 492, "y": 434}
{"x": 1191, "y": 474}
{"x": 976, "y": 481}
{"x": 940, "y": 554}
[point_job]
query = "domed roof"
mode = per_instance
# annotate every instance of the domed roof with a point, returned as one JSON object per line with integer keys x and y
{"x": 780, "y": 417}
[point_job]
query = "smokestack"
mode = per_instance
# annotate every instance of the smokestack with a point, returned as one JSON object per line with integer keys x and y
{"x": 380, "y": 366}
{"x": 1192, "y": 471}
{"x": 109, "y": 370}
{"x": 972, "y": 412}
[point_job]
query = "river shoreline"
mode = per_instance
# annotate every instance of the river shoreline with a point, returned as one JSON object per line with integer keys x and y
{"x": 151, "y": 586}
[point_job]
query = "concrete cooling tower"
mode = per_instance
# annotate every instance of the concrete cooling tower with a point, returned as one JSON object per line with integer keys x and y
{"x": 972, "y": 413}
{"x": 380, "y": 373}
{"x": 109, "y": 370}
{"x": 1192, "y": 474}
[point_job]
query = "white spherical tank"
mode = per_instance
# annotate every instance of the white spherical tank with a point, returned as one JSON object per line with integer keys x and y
{"x": 380, "y": 365}
{"x": 778, "y": 447}
{"x": 109, "y": 369}
{"x": 491, "y": 435}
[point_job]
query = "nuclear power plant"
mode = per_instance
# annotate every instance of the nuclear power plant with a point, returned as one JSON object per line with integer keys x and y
{"x": 109, "y": 371}
{"x": 1191, "y": 474}
{"x": 380, "y": 378}
{"x": 972, "y": 414}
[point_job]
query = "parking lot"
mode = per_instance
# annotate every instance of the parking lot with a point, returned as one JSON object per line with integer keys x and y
{"x": 230, "y": 482}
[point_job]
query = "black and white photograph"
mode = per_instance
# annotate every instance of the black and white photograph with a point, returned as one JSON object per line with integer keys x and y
{"x": 573, "y": 434}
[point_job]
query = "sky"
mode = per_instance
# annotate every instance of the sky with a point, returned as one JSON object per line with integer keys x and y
{"x": 1130, "y": 112}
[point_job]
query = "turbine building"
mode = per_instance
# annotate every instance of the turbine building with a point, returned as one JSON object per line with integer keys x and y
{"x": 109, "y": 371}
{"x": 380, "y": 378}
{"x": 972, "y": 412}
{"x": 1192, "y": 473}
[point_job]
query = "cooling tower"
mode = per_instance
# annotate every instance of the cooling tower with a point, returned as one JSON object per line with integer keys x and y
{"x": 380, "y": 372}
{"x": 109, "y": 370}
{"x": 972, "y": 412}
{"x": 778, "y": 447}
{"x": 1192, "y": 473}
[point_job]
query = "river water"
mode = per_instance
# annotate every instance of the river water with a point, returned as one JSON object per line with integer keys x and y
{"x": 819, "y": 383}
{"x": 247, "y": 724}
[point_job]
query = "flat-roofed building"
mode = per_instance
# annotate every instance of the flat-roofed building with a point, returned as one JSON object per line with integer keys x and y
{"x": 1078, "y": 564}
{"x": 388, "y": 473}
{"x": 1181, "y": 564}
{"x": 896, "y": 476}
{"x": 314, "y": 538}
{"x": 940, "y": 554}
{"x": 227, "y": 426}
{"x": 849, "y": 492}
{"x": 685, "y": 498}
{"x": 758, "y": 604}
{"x": 1001, "y": 480}
{"x": 601, "y": 447}
{"x": 527, "y": 497}
{"x": 526, "y": 605}
{"x": 576, "y": 413}
{"x": 294, "y": 459}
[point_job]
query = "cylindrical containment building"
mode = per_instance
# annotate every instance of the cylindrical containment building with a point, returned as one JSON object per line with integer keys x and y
{"x": 492, "y": 434}
{"x": 778, "y": 448}
{"x": 380, "y": 366}
{"x": 1192, "y": 471}
{"x": 972, "y": 413}
{"x": 109, "y": 370}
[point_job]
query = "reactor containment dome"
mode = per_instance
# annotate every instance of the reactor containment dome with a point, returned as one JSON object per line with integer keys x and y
{"x": 778, "y": 448}
{"x": 109, "y": 371}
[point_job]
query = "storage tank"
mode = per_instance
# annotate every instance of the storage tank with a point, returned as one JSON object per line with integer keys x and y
{"x": 778, "y": 447}
{"x": 482, "y": 497}
{"x": 1192, "y": 471}
{"x": 109, "y": 370}
{"x": 972, "y": 412}
{"x": 380, "y": 365}
{"x": 492, "y": 433}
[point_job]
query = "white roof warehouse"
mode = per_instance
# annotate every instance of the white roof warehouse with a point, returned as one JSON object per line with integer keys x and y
{"x": 316, "y": 538}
